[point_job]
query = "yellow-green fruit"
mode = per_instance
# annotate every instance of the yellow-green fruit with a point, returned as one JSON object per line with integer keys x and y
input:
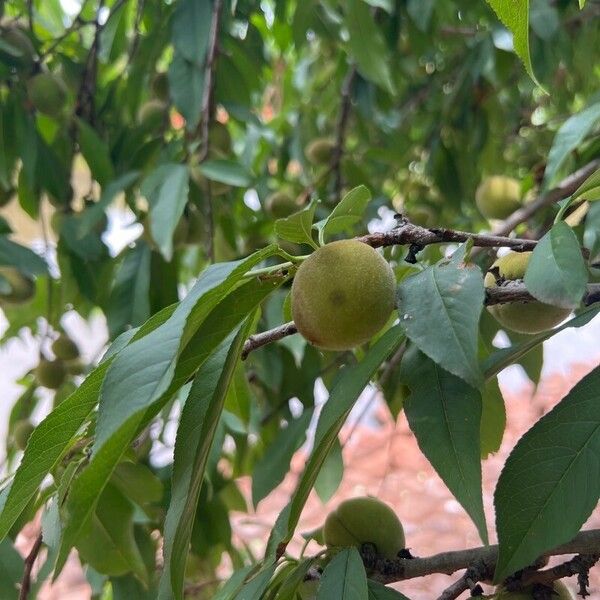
{"x": 20, "y": 41}
{"x": 15, "y": 288}
{"x": 320, "y": 151}
{"x": 365, "y": 520}
{"x": 498, "y": 196}
{"x": 160, "y": 87}
{"x": 219, "y": 138}
{"x": 65, "y": 348}
{"x": 22, "y": 432}
{"x": 280, "y": 204}
{"x": 561, "y": 592}
{"x": 522, "y": 317}
{"x": 152, "y": 113}
{"x": 75, "y": 367}
{"x": 51, "y": 373}
{"x": 342, "y": 295}
{"x": 48, "y": 93}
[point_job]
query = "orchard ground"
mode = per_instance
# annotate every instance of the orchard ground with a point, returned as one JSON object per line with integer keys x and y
{"x": 381, "y": 458}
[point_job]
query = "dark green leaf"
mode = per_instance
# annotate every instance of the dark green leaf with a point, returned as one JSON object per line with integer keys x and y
{"x": 551, "y": 479}
{"x": 22, "y": 258}
{"x": 331, "y": 474}
{"x": 556, "y": 273}
{"x": 439, "y": 308}
{"x": 378, "y": 591}
{"x": 191, "y": 28}
{"x": 493, "y": 418}
{"x": 226, "y": 171}
{"x": 297, "y": 227}
{"x": 444, "y": 413}
{"x": 186, "y": 85}
{"x": 589, "y": 189}
{"x": 348, "y": 212}
{"x": 344, "y": 578}
{"x": 96, "y": 154}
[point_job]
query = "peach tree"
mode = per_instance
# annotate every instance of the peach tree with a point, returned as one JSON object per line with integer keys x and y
{"x": 193, "y": 168}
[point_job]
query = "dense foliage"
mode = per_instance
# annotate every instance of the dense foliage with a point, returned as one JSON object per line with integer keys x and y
{"x": 237, "y": 138}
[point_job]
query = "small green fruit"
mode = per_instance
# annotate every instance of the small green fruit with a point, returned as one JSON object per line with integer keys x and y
{"x": 320, "y": 151}
{"x": 48, "y": 93}
{"x": 342, "y": 295}
{"x": 16, "y": 37}
{"x": 280, "y": 204}
{"x": 75, "y": 367}
{"x": 15, "y": 288}
{"x": 365, "y": 520}
{"x": 22, "y": 432}
{"x": 65, "y": 348}
{"x": 160, "y": 87}
{"x": 51, "y": 373}
{"x": 498, "y": 196}
{"x": 152, "y": 113}
{"x": 522, "y": 317}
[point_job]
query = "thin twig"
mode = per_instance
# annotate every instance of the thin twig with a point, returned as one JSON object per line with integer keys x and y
{"x": 578, "y": 564}
{"x": 28, "y": 567}
{"x": 340, "y": 132}
{"x": 468, "y": 581}
{"x": 268, "y": 337}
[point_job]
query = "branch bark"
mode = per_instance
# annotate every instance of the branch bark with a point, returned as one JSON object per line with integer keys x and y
{"x": 29, "y": 562}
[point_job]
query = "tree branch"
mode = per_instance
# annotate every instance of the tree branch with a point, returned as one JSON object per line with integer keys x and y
{"x": 468, "y": 581}
{"x": 340, "y": 131}
{"x": 268, "y": 337}
{"x": 29, "y": 562}
{"x": 399, "y": 569}
{"x": 563, "y": 190}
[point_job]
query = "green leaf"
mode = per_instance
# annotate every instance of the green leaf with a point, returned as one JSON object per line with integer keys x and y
{"x": 108, "y": 543}
{"x": 589, "y": 189}
{"x": 444, "y": 413}
{"x": 272, "y": 467}
{"x": 298, "y": 227}
{"x": 420, "y": 12}
{"x": 551, "y": 479}
{"x": 255, "y": 588}
{"x": 138, "y": 483}
{"x": 186, "y": 86}
{"x": 347, "y": 212}
{"x": 350, "y": 383}
{"x": 344, "y": 578}
{"x": 367, "y": 46}
{"x": 228, "y": 591}
{"x": 4, "y": 227}
{"x": 22, "y": 258}
{"x": 378, "y": 591}
{"x": 48, "y": 443}
{"x": 331, "y": 474}
{"x": 568, "y": 138}
{"x": 129, "y": 300}
{"x": 556, "y": 273}
{"x": 191, "y": 29}
{"x": 504, "y": 357}
{"x": 515, "y": 16}
{"x": 226, "y": 171}
{"x": 439, "y": 308}
{"x": 166, "y": 189}
{"x": 493, "y": 418}
{"x": 198, "y": 424}
{"x": 581, "y": 3}
{"x": 96, "y": 153}
{"x": 152, "y": 368}
{"x": 11, "y": 570}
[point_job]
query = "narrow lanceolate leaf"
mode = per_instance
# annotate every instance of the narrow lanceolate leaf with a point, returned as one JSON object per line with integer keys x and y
{"x": 589, "y": 189}
{"x": 444, "y": 413}
{"x": 297, "y": 227}
{"x": 504, "y": 357}
{"x": 344, "y": 578}
{"x": 198, "y": 423}
{"x": 48, "y": 443}
{"x": 255, "y": 588}
{"x": 367, "y": 46}
{"x": 24, "y": 259}
{"x": 493, "y": 418}
{"x": 350, "y": 384}
{"x": 568, "y": 138}
{"x": 11, "y": 570}
{"x": 272, "y": 467}
{"x": 96, "y": 153}
{"x": 515, "y": 16}
{"x": 439, "y": 308}
{"x": 191, "y": 28}
{"x": 129, "y": 300}
{"x": 226, "y": 171}
{"x": 556, "y": 273}
{"x": 378, "y": 591}
{"x": 348, "y": 211}
{"x": 167, "y": 191}
{"x": 550, "y": 483}
{"x": 154, "y": 369}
